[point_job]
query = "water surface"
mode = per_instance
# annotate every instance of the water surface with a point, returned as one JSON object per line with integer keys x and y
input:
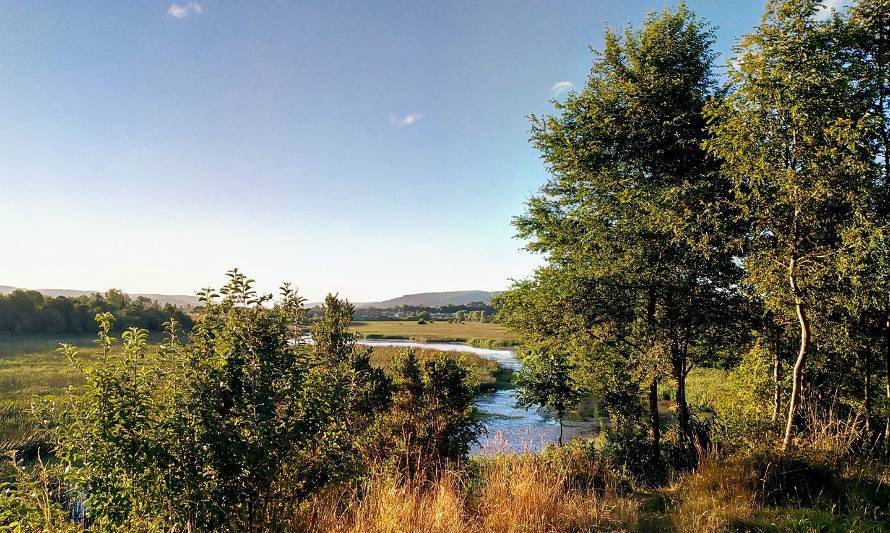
{"x": 507, "y": 427}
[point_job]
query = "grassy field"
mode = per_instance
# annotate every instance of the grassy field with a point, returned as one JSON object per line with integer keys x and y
{"x": 475, "y": 333}
{"x": 30, "y": 368}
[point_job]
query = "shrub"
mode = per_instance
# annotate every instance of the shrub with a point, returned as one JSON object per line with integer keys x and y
{"x": 432, "y": 419}
{"x": 29, "y": 498}
{"x": 627, "y": 447}
{"x": 227, "y": 431}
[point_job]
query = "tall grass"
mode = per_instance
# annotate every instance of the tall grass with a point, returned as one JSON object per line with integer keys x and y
{"x": 506, "y": 493}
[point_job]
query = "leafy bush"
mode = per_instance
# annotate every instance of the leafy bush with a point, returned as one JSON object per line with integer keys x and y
{"x": 233, "y": 426}
{"x": 739, "y": 401}
{"x": 29, "y": 498}
{"x": 228, "y": 431}
{"x": 627, "y": 446}
{"x": 432, "y": 419}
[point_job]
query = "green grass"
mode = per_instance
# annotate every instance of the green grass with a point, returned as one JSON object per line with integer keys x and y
{"x": 479, "y": 334}
{"x": 31, "y": 369}
{"x": 485, "y": 374}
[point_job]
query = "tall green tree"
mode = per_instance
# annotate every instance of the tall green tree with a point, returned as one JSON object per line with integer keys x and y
{"x": 789, "y": 137}
{"x": 631, "y": 218}
{"x": 868, "y": 28}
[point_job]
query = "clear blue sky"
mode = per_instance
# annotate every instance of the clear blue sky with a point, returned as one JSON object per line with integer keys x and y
{"x": 371, "y": 148}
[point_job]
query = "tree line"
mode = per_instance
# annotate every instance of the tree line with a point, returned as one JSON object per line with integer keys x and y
{"x": 30, "y": 312}
{"x": 741, "y": 224}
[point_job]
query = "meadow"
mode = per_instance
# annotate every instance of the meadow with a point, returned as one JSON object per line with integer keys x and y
{"x": 480, "y": 334}
{"x": 32, "y": 369}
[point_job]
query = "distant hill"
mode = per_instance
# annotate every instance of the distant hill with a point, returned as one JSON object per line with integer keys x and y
{"x": 433, "y": 299}
{"x": 179, "y": 300}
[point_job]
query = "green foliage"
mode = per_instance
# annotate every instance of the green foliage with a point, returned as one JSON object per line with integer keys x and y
{"x": 627, "y": 446}
{"x": 545, "y": 380}
{"x": 233, "y": 426}
{"x": 29, "y": 499}
{"x": 633, "y": 220}
{"x": 432, "y": 419}
{"x": 740, "y": 400}
{"x": 791, "y": 135}
{"x": 30, "y": 312}
{"x": 227, "y": 431}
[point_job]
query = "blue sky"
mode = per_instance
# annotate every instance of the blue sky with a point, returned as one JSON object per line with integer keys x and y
{"x": 369, "y": 148}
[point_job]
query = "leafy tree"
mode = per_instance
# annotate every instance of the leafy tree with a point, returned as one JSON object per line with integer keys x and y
{"x": 632, "y": 218}
{"x": 546, "y": 380}
{"x": 29, "y": 312}
{"x": 869, "y": 275}
{"x": 788, "y": 137}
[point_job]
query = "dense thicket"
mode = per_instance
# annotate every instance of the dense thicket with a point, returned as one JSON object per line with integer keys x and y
{"x": 30, "y": 312}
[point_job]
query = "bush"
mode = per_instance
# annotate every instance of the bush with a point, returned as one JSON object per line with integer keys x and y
{"x": 432, "y": 419}
{"x": 229, "y": 431}
{"x": 627, "y": 447}
{"x": 738, "y": 399}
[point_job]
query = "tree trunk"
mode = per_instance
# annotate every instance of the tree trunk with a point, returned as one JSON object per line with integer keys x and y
{"x": 777, "y": 385}
{"x": 867, "y": 393}
{"x": 655, "y": 437}
{"x": 887, "y": 378}
{"x": 679, "y": 368}
{"x": 797, "y": 377}
{"x": 560, "y": 431}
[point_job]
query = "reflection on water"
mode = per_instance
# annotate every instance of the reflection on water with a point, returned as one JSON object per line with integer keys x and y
{"x": 507, "y": 427}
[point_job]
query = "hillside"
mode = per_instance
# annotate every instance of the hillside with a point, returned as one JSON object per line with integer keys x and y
{"x": 179, "y": 300}
{"x": 433, "y": 299}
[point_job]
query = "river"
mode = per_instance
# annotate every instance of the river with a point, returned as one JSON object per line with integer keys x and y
{"x": 507, "y": 428}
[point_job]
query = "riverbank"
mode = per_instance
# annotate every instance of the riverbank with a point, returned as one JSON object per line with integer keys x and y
{"x": 477, "y": 334}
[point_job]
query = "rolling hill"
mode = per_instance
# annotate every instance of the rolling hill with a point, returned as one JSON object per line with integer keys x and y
{"x": 433, "y": 299}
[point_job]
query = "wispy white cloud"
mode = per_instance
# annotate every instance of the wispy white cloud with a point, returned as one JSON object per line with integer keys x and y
{"x": 829, "y": 6}
{"x": 184, "y": 10}
{"x": 407, "y": 120}
{"x": 561, "y": 87}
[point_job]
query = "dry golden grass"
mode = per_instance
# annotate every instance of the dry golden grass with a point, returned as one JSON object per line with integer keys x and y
{"x": 511, "y": 494}
{"x": 716, "y": 495}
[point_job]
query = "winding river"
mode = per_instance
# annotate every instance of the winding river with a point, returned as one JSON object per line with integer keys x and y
{"x": 507, "y": 428}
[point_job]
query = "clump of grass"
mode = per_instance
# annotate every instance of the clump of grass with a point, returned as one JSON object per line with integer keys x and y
{"x": 765, "y": 490}
{"x": 717, "y": 494}
{"x": 485, "y": 342}
{"x": 505, "y": 493}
